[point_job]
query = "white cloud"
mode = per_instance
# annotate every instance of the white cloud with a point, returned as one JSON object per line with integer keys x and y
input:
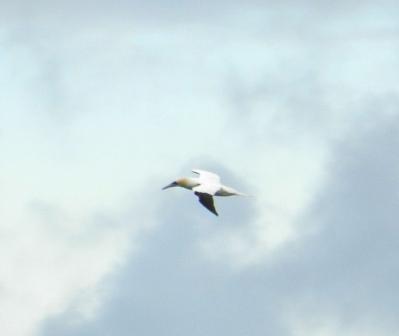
{"x": 46, "y": 259}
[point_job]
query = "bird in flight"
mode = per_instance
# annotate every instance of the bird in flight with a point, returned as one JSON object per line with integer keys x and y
{"x": 205, "y": 186}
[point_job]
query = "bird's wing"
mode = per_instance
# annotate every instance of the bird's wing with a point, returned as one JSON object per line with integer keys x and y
{"x": 208, "y": 176}
{"x": 207, "y": 188}
{"x": 207, "y": 201}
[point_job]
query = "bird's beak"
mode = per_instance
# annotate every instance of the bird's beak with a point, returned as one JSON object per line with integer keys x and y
{"x": 173, "y": 184}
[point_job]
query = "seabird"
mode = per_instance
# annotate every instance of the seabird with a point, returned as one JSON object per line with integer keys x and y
{"x": 205, "y": 186}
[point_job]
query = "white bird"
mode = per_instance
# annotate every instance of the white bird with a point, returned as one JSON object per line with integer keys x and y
{"x": 205, "y": 186}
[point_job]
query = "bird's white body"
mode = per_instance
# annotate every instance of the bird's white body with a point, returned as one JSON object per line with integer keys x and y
{"x": 198, "y": 184}
{"x": 205, "y": 186}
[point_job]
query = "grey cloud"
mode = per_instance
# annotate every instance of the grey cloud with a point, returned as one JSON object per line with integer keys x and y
{"x": 358, "y": 216}
{"x": 347, "y": 269}
{"x": 283, "y": 105}
{"x": 308, "y": 94}
{"x": 75, "y": 13}
{"x": 293, "y": 75}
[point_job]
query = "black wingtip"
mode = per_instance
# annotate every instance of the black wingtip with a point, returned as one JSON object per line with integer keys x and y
{"x": 214, "y": 212}
{"x": 207, "y": 201}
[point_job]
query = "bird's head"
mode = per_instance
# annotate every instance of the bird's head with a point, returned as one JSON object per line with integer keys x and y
{"x": 184, "y": 182}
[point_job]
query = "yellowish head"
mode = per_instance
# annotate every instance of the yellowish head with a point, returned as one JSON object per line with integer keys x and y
{"x": 184, "y": 182}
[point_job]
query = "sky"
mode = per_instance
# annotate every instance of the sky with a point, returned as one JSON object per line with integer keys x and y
{"x": 292, "y": 102}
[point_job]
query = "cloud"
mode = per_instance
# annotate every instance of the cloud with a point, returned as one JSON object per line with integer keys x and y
{"x": 357, "y": 218}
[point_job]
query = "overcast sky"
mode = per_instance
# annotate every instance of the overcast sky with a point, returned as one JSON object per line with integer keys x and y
{"x": 103, "y": 103}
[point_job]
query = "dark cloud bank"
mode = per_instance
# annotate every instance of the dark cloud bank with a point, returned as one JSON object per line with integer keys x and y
{"x": 348, "y": 269}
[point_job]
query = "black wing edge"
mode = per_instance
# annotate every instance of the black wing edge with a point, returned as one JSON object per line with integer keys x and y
{"x": 207, "y": 201}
